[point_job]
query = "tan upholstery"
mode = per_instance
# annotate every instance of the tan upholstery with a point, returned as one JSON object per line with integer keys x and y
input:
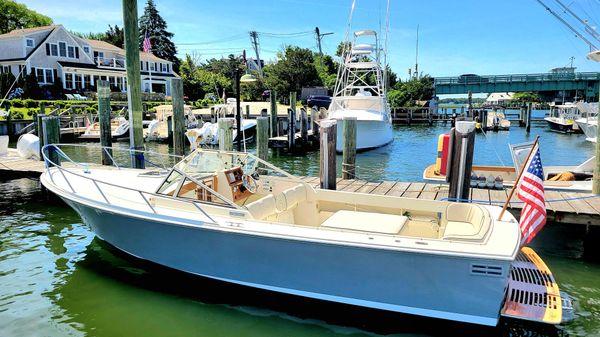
{"x": 282, "y": 205}
{"x": 365, "y": 221}
{"x": 466, "y": 222}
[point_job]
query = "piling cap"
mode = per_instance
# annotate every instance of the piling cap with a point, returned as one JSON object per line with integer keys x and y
{"x": 465, "y": 127}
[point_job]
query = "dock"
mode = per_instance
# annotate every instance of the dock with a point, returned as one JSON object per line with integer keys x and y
{"x": 571, "y": 209}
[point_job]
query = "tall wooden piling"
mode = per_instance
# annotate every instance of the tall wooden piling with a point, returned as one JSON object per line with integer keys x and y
{"x": 40, "y": 131}
{"x": 528, "y": 122}
{"x": 225, "y": 134}
{"x": 314, "y": 122}
{"x": 104, "y": 120}
{"x": 262, "y": 137}
{"x": 273, "y": 100}
{"x": 303, "y": 126}
{"x": 178, "y": 117}
{"x": 292, "y": 121}
{"x": 213, "y": 118}
{"x": 327, "y": 167}
{"x": 134, "y": 85}
{"x": 461, "y": 160}
{"x": 349, "y": 148}
{"x": 247, "y": 111}
{"x": 51, "y": 132}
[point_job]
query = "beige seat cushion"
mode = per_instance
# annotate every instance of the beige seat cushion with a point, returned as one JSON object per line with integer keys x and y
{"x": 366, "y": 222}
{"x": 466, "y": 222}
{"x": 262, "y": 208}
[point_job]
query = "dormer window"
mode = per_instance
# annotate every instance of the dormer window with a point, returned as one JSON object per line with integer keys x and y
{"x": 86, "y": 49}
{"x": 29, "y": 42}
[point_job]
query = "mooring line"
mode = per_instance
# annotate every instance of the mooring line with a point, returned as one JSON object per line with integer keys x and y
{"x": 519, "y": 202}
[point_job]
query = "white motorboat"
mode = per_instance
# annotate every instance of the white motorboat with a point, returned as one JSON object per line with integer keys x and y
{"x": 562, "y": 118}
{"x": 360, "y": 92}
{"x": 158, "y": 128}
{"x": 232, "y": 217}
{"x": 208, "y": 133}
{"x": 119, "y": 127}
{"x": 589, "y": 122}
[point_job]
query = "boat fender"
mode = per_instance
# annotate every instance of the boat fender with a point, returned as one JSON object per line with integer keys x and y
{"x": 28, "y": 146}
{"x": 441, "y": 163}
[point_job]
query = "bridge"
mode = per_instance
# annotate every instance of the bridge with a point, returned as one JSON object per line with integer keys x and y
{"x": 587, "y": 83}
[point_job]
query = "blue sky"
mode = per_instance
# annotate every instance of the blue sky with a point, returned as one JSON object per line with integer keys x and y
{"x": 456, "y": 37}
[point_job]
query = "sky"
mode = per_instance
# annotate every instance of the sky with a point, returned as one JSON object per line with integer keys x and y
{"x": 456, "y": 37}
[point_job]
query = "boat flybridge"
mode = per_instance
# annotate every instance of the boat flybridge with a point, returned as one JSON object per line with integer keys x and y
{"x": 233, "y": 217}
{"x": 360, "y": 92}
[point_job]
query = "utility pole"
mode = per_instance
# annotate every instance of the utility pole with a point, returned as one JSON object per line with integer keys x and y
{"x": 417, "y": 56}
{"x": 319, "y": 37}
{"x": 254, "y": 41}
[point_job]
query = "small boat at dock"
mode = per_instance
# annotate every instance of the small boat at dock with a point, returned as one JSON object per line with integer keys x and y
{"x": 233, "y": 217}
{"x": 562, "y": 118}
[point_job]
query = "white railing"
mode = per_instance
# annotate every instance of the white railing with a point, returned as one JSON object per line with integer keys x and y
{"x": 52, "y": 152}
{"x": 110, "y": 62}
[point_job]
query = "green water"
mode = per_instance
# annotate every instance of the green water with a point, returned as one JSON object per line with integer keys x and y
{"x": 56, "y": 279}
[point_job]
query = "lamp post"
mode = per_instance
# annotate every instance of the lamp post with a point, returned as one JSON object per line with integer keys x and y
{"x": 246, "y": 78}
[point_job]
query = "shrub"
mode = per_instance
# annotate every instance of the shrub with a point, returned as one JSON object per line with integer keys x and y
{"x": 17, "y": 103}
{"x": 30, "y": 103}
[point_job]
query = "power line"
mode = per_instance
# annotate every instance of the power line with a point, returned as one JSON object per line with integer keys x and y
{"x": 222, "y": 40}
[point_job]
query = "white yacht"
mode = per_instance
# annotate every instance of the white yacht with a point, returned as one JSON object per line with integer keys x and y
{"x": 562, "y": 118}
{"x": 232, "y": 217}
{"x": 360, "y": 92}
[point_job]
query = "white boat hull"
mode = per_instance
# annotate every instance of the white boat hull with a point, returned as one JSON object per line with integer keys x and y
{"x": 435, "y": 285}
{"x": 370, "y": 134}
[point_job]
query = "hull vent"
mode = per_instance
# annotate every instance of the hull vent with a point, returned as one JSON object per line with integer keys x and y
{"x": 487, "y": 270}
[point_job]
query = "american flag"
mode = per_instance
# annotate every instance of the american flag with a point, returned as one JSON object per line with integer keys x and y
{"x": 531, "y": 192}
{"x": 147, "y": 45}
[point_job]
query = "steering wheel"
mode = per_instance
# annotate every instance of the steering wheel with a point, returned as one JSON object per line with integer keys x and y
{"x": 249, "y": 183}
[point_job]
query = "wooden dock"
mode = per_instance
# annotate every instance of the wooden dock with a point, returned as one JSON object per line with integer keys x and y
{"x": 579, "y": 211}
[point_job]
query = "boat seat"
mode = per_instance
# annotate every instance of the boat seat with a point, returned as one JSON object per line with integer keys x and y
{"x": 466, "y": 222}
{"x": 279, "y": 207}
{"x": 366, "y": 222}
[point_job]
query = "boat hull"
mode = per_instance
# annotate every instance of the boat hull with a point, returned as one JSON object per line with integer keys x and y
{"x": 370, "y": 134}
{"x": 558, "y": 126}
{"x": 434, "y": 285}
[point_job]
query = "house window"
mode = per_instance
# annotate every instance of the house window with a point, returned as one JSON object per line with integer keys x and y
{"x": 119, "y": 83}
{"x": 78, "y": 81}
{"x": 164, "y": 67}
{"x": 124, "y": 84}
{"x": 5, "y": 69}
{"x": 141, "y": 65}
{"x": 39, "y": 72}
{"x": 86, "y": 49}
{"x": 71, "y": 52}
{"x": 87, "y": 81}
{"x": 29, "y": 42}
{"x": 62, "y": 49}
{"x": 68, "y": 80}
{"x": 49, "y": 75}
{"x": 53, "y": 49}
{"x": 152, "y": 68}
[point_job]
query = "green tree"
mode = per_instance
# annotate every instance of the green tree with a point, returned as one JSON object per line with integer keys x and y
{"x": 327, "y": 69}
{"x": 31, "y": 88}
{"x": 113, "y": 35}
{"x": 295, "y": 69}
{"x": 154, "y": 25}
{"x": 407, "y": 93}
{"x": 17, "y": 16}
{"x": 526, "y": 97}
{"x": 199, "y": 81}
{"x": 342, "y": 48}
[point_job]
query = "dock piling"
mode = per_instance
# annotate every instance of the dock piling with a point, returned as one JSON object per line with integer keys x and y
{"x": 178, "y": 117}
{"x": 528, "y": 123}
{"x": 314, "y": 122}
{"x": 134, "y": 85}
{"x": 303, "y": 126}
{"x": 104, "y": 121}
{"x": 247, "y": 111}
{"x": 349, "y": 148}
{"x": 213, "y": 118}
{"x": 262, "y": 137}
{"x": 40, "y": 131}
{"x": 461, "y": 160}
{"x": 327, "y": 167}
{"x": 292, "y": 121}
{"x": 225, "y": 134}
{"x": 51, "y": 132}
{"x": 273, "y": 111}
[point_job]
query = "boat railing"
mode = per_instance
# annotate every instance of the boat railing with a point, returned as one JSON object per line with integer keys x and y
{"x": 54, "y": 157}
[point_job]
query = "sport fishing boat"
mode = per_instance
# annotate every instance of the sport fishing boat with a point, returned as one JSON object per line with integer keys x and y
{"x": 562, "y": 118}
{"x": 208, "y": 133}
{"x": 232, "y": 217}
{"x": 576, "y": 178}
{"x": 360, "y": 92}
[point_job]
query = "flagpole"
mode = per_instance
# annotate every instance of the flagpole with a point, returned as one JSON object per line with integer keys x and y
{"x": 512, "y": 191}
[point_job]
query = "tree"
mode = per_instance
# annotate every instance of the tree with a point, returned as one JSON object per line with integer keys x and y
{"x": 154, "y": 25}
{"x": 327, "y": 69}
{"x": 197, "y": 81}
{"x": 115, "y": 36}
{"x": 31, "y": 87}
{"x": 407, "y": 93}
{"x": 17, "y": 16}
{"x": 342, "y": 48}
{"x": 295, "y": 69}
{"x": 526, "y": 97}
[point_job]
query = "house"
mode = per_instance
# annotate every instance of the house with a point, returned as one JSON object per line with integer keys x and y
{"x": 499, "y": 98}
{"x": 56, "y": 55}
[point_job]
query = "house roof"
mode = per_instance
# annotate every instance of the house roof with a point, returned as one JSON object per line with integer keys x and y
{"x": 500, "y": 96}
{"x": 26, "y": 31}
{"x": 97, "y": 44}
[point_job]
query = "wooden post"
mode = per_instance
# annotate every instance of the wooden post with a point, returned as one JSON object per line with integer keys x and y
{"x": 528, "y": 123}
{"x": 303, "y": 126}
{"x": 104, "y": 120}
{"x": 40, "y": 131}
{"x": 314, "y": 122}
{"x": 134, "y": 80}
{"x": 292, "y": 122}
{"x": 247, "y": 111}
{"x": 213, "y": 118}
{"x": 327, "y": 167}
{"x": 274, "y": 126}
{"x": 178, "y": 116}
{"x": 51, "y": 131}
{"x": 226, "y": 134}
{"x": 461, "y": 160}
{"x": 262, "y": 137}
{"x": 596, "y": 176}
{"x": 42, "y": 112}
{"x": 349, "y": 148}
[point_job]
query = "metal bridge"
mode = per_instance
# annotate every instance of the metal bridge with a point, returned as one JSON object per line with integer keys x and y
{"x": 586, "y": 83}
